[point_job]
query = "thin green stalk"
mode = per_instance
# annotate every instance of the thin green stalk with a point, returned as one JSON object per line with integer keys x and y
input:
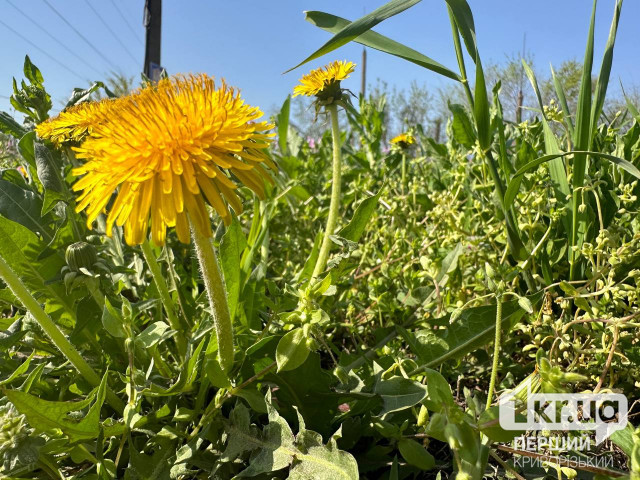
{"x": 404, "y": 171}
{"x": 214, "y": 285}
{"x": 166, "y": 299}
{"x": 334, "y": 206}
{"x": 460, "y": 57}
{"x": 496, "y": 350}
{"x": 57, "y": 337}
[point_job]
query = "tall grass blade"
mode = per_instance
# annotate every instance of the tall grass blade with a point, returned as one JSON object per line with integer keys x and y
{"x": 562, "y": 98}
{"x": 605, "y": 68}
{"x": 334, "y": 24}
{"x": 551, "y": 146}
{"x": 581, "y": 141}
{"x": 360, "y": 26}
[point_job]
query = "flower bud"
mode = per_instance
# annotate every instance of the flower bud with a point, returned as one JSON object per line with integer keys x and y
{"x": 80, "y": 255}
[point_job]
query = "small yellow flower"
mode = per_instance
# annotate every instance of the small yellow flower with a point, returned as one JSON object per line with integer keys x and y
{"x": 75, "y": 123}
{"x": 324, "y": 82}
{"x": 166, "y": 149}
{"x": 403, "y": 140}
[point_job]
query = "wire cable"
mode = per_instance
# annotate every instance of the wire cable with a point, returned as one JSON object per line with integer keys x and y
{"x": 113, "y": 34}
{"x": 124, "y": 18}
{"x": 81, "y": 35}
{"x": 43, "y": 52}
{"x": 54, "y": 38}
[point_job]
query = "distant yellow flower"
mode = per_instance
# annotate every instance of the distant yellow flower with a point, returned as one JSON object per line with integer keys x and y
{"x": 74, "y": 123}
{"x": 403, "y": 140}
{"x": 166, "y": 149}
{"x": 324, "y": 82}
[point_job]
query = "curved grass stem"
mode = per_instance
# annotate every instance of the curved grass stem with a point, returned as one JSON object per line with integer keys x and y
{"x": 51, "y": 329}
{"x": 334, "y": 205}
{"x": 214, "y": 285}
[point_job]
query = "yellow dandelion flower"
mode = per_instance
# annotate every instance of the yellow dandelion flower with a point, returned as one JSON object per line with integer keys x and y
{"x": 324, "y": 82}
{"x": 76, "y": 122}
{"x": 403, "y": 140}
{"x": 167, "y": 149}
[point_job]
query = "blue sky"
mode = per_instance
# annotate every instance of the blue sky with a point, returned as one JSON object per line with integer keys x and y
{"x": 251, "y": 42}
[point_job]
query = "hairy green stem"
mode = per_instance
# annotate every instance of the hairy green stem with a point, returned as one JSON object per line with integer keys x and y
{"x": 214, "y": 285}
{"x": 496, "y": 351}
{"x": 166, "y": 299}
{"x": 51, "y": 329}
{"x": 334, "y": 205}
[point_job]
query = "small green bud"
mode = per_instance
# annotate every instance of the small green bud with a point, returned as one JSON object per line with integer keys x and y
{"x": 80, "y": 255}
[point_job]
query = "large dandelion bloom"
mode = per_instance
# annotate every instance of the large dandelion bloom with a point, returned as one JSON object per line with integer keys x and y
{"x": 167, "y": 148}
{"x": 74, "y": 124}
{"x": 324, "y": 82}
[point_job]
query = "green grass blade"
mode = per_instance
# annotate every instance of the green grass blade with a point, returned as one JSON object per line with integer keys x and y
{"x": 512, "y": 189}
{"x": 360, "y": 26}
{"x": 283, "y": 125}
{"x": 562, "y": 98}
{"x": 551, "y": 146}
{"x": 464, "y": 19}
{"x": 334, "y": 24}
{"x": 605, "y": 68}
{"x": 582, "y": 139}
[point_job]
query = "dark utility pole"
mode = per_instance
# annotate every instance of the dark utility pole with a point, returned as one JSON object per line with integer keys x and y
{"x": 153, "y": 24}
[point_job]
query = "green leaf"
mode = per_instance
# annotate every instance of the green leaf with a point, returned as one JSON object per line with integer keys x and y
{"x": 52, "y": 417}
{"x": 152, "y": 334}
{"x": 415, "y": 454}
{"x": 360, "y": 26}
{"x": 463, "y": 131}
{"x": 438, "y": 391}
{"x": 399, "y": 393}
{"x": 464, "y": 20}
{"x": 292, "y": 350}
{"x": 354, "y": 230}
{"x": 26, "y": 148}
{"x": 514, "y": 185}
{"x": 22, "y": 369}
{"x": 23, "y": 207}
{"x": 489, "y": 425}
{"x": 32, "y": 72}
{"x": 473, "y": 329}
{"x": 9, "y": 126}
{"x": 231, "y": 247}
{"x": 334, "y": 24}
{"x": 49, "y": 175}
{"x": 22, "y": 250}
{"x": 605, "y": 68}
{"x": 112, "y": 320}
{"x": 283, "y": 125}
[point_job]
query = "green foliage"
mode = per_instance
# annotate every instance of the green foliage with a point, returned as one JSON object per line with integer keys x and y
{"x": 381, "y": 367}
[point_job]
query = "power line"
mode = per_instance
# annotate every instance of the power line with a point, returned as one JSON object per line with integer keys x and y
{"x": 81, "y": 36}
{"x": 112, "y": 32}
{"x": 43, "y": 52}
{"x": 124, "y": 18}
{"x": 54, "y": 38}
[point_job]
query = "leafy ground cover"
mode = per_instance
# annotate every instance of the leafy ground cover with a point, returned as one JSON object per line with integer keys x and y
{"x": 454, "y": 272}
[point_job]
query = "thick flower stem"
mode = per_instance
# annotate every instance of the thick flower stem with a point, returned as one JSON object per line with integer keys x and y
{"x": 334, "y": 205}
{"x": 51, "y": 329}
{"x": 165, "y": 297}
{"x": 496, "y": 351}
{"x": 214, "y": 285}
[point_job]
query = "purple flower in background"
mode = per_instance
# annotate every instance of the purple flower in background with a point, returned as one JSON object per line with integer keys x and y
{"x": 386, "y": 149}
{"x": 312, "y": 143}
